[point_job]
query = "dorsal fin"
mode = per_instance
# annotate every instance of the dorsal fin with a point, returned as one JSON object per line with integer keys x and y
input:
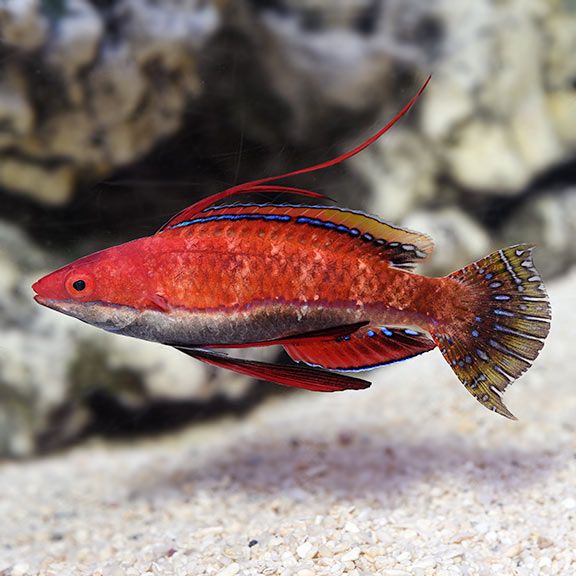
{"x": 401, "y": 247}
{"x": 205, "y": 203}
{"x": 257, "y": 185}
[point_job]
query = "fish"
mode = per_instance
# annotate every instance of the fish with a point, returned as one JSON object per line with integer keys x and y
{"x": 335, "y": 287}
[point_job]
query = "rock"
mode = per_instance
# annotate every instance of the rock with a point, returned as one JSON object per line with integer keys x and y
{"x": 56, "y": 372}
{"x": 400, "y": 173}
{"x": 483, "y": 157}
{"x": 22, "y": 24}
{"x": 493, "y": 125}
{"x": 52, "y": 185}
{"x": 16, "y": 113}
{"x": 458, "y": 239}
{"x": 117, "y": 86}
{"x": 318, "y": 41}
{"x": 560, "y": 29}
{"x": 102, "y": 94}
{"x": 562, "y": 108}
{"x": 449, "y": 105}
{"x": 549, "y": 221}
{"x": 74, "y": 43}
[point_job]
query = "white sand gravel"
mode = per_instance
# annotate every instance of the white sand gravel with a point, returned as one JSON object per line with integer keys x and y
{"x": 410, "y": 477}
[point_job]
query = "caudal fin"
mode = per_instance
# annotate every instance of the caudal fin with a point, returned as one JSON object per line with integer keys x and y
{"x": 509, "y": 322}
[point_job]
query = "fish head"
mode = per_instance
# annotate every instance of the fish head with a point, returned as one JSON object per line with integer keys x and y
{"x": 105, "y": 289}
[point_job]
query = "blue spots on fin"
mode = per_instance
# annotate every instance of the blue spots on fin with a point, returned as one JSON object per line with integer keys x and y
{"x": 411, "y": 332}
{"x": 343, "y": 338}
{"x": 475, "y": 333}
{"x": 371, "y": 333}
{"x": 386, "y": 331}
{"x": 481, "y": 354}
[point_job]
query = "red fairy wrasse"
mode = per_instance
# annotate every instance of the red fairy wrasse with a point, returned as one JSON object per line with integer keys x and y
{"x": 333, "y": 286}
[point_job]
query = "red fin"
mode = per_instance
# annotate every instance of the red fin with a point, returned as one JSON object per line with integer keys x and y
{"x": 256, "y": 185}
{"x": 346, "y": 155}
{"x": 367, "y": 348}
{"x": 316, "y": 336}
{"x": 297, "y": 376}
{"x": 509, "y": 318}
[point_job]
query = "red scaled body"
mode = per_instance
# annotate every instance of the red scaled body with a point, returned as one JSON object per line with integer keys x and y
{"x": 333, "y": 286}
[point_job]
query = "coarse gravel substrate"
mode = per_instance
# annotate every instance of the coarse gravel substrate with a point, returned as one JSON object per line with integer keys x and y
{"x": 410, "y": 477}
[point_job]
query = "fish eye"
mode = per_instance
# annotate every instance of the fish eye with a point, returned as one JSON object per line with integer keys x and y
{"x": 79, "y": 285}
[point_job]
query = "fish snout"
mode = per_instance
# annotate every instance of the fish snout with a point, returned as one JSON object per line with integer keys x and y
{"x": 51, "y": 287}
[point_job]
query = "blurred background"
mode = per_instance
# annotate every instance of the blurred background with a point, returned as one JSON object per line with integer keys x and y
{"x": 115, "y": 114}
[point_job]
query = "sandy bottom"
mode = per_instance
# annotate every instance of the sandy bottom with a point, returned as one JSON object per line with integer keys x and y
{"x": 410, "y": 477}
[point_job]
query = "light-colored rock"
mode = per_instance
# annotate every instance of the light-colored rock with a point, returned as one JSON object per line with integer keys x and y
{"x": 320, "y": 40}
{"x": 71, "y": 135}
{"x": 484, "y": 157}
{"x": 487, "y": 107}
{"x": 51, "y": 185}
{"x": 107, "y": 98}
{"x": 533, "y": 130}
{"x": 161, "y": 31}
{"x": 560, "y": 31}
{"x": 307, "y": 550}
{"x": 16, "y": 112}
{"x": 448, "y": 104}
{"x": 22, "y": 24}
{"x": 562, "y": 107}
{"x": 74, "y": 43}
{"x": 117, "y": 86}
{"x": 400, "y": 172}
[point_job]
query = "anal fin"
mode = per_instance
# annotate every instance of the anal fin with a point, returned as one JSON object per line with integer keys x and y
{"x": 367, "y": 348}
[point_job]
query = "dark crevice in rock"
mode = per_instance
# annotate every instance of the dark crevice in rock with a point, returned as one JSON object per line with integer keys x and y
{"x": 111, "y": 417}
{"x": 367, "y": 20}
{"x": 493, "y": 210}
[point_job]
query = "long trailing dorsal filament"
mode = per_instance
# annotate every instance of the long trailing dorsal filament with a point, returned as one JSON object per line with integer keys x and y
{"x": 260, "y": 184}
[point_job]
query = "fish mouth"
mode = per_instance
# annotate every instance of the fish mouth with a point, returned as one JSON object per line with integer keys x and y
{"x": 49, "y": 303}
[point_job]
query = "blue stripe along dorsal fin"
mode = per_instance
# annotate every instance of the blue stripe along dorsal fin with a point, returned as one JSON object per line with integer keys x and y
{"x": 401, "y": 247}
{"x": 367, "y": 348}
